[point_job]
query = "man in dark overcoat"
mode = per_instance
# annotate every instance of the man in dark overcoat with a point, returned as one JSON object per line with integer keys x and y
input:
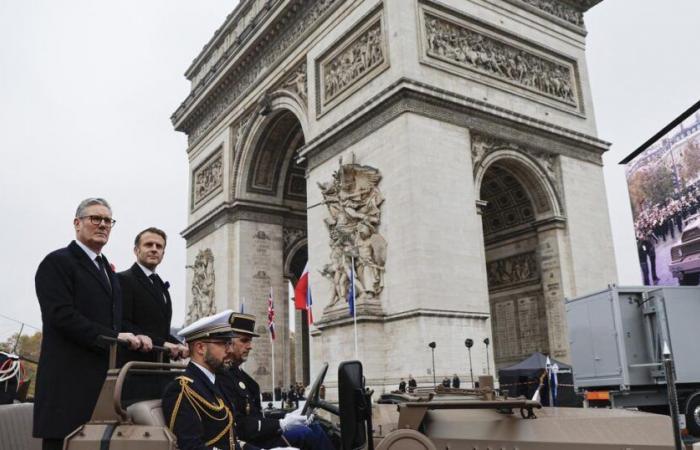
{"x": 147, "y": 310}
{"x": 80, "y": 299}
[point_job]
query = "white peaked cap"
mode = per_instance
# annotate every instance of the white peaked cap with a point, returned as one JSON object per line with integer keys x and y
{"x": 214, "y": 326}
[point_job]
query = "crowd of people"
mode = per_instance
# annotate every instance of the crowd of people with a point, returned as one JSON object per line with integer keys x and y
{"x": 411, "y": 386}
{"x": 290, "y": 397}
{"x": 214, "y": 404}
{"x": 660, "y": 221}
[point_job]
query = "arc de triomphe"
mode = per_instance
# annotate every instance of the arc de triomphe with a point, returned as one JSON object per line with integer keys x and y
{"x": 444, "y": 152}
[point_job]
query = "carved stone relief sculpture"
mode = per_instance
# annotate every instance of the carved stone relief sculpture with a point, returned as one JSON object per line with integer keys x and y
{"x": 511, "y": 271}
{"x": 290, "y": 237}
{"x": 296, "y": 82}
{"x": 207, "y": 178}
{"x": 479, "y": 52}
{"x": 482, "y": 145}
{"x": 558, "y": 9}
{"x": 358, "y": 57}
{"x": 202, "y": 287}
{"x": 354, "y": 204}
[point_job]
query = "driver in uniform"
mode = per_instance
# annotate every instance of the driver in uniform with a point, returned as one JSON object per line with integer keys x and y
{"x": 196, "y": 411}
{"x": 294, "y": 429}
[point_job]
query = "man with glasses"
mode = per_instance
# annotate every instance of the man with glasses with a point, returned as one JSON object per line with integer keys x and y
{"x": 251, "y": 424}
{"x": 80, "y": 300}
{"x": 195, "y": 410}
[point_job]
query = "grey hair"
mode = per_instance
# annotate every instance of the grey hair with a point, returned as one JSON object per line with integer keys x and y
{"x": 90, "y": 202}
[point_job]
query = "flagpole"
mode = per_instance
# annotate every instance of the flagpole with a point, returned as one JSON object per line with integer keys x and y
{"x": 272, "y": 346}
{"x": 354, "y": 304}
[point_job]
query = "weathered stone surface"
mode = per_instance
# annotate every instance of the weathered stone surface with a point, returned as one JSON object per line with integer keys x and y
{"x": 490, "y": 209}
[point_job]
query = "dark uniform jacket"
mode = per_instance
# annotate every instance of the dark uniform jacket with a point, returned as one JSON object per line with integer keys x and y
{"x": 147, "y": 310}
{"x": 77, "y": 305}
{"x": 198, "y": 414}
{"x": 244, "y": 393}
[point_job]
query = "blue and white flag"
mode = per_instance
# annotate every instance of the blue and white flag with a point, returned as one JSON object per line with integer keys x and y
{"x": 351, "y": 289}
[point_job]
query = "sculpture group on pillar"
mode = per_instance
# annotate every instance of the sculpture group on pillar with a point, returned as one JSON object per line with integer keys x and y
{"x": 353, "y": 200}
{"x": 202, "y": 287}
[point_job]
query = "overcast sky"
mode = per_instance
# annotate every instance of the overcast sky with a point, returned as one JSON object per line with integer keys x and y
{"x": 87, "y": 89}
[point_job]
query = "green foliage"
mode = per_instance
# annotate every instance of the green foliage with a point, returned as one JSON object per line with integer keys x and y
{"x": 691, "y": 162}
{"x": 653, "y": 184}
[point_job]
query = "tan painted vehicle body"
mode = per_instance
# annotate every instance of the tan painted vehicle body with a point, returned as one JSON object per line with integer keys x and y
{"x": 454, "y": 419}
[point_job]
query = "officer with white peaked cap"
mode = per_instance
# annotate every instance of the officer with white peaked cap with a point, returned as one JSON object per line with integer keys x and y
{"x": 196, "y": 411}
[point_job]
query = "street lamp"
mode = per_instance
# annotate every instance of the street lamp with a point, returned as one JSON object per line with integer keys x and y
{"x": 469, "y": 344}
{"x": 488, "y": 369}
{"x": 432, "y": 348}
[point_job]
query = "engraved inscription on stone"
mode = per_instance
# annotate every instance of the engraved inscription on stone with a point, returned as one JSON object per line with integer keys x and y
{"x": 465, "y": 47}
{"x": 513, "y": 270}
{"x": 358, "y": 57}
{"x": 202, "y": 287}
{"x": 353, "y": 200}
{"x": 505, "y": 330}
{"x": 207, "y": 178}
{"x": 529, "y": 323}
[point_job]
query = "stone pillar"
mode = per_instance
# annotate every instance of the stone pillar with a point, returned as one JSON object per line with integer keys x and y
{"x": 551, "y": 249}
{"x": 258, "y": 249}
{"x": 434, "y": 283}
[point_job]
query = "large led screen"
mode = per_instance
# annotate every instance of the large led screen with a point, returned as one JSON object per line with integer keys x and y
{"x": 663, "y": 176}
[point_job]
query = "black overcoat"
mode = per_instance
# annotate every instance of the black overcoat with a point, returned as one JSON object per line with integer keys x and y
{"x": 77, "y": 305}
{"x": 146, "y": 311}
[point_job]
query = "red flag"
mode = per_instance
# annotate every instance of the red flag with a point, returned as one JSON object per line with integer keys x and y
{"x": 271, "y": 316}
{"x": 301, "y": 289}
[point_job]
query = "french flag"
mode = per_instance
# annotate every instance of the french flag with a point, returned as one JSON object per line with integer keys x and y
{"x": 302, "y": 294}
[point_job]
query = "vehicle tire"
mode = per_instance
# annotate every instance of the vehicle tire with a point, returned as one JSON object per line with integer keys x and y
{"x": 692, "y": 415}
{"x": 690, "y": 279}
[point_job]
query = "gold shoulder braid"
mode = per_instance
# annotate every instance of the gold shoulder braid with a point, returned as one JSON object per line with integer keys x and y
{"x": 218, "y": 412}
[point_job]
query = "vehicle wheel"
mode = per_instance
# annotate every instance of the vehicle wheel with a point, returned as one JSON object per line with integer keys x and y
{"x": 692, "y": 416}
{"x": 690, "y": 279}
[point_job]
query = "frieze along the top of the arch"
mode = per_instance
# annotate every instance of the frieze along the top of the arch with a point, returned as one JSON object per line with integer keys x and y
{"x": 261, "y": 57}
{"x": 410, "y": 96}
{"x": 568, "y": 13}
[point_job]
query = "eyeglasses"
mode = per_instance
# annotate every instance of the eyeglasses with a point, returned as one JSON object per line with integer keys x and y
{"x": 97, "y": 220}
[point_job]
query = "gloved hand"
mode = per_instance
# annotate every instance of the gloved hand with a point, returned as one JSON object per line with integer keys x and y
{"x": 292, "y": 420}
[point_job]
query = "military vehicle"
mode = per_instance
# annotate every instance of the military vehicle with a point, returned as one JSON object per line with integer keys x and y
{"x": 430, "y": 420}
{"x": 685, "y": 255}
{"x": 617, "y": 337}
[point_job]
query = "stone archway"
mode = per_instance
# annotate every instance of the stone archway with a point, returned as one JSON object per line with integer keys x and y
{"x": 523, "y": 230}
{"x": 270, "y": 238}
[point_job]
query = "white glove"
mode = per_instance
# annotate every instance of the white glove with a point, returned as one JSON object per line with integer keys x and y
{"x": 292, "y": 420}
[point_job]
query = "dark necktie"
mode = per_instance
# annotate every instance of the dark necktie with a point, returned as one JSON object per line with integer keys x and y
{"x": 158, "y": 284}
{"x": 101, "y": 264}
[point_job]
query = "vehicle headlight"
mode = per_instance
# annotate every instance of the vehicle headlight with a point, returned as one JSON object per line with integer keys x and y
{"x": 676, "y": 253}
